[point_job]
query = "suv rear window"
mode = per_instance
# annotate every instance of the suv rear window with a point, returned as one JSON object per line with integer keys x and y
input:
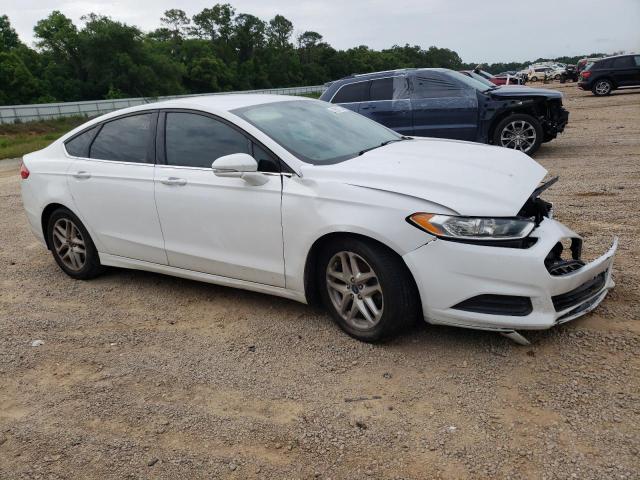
{"x": 353, "y": 92}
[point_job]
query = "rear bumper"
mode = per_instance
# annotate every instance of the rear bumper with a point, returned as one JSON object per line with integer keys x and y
{"x": 449, "y": 274}
{"x": 584, "y": 85}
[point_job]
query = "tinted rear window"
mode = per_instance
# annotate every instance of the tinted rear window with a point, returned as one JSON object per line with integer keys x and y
{"x": 79, "y": 145}
{"x": 353, "y": 92}
{"x": 124, "y": 140}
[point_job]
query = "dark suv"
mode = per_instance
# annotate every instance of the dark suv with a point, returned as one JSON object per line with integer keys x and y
{"x": 437, "y": 102}
{"x": 611, "y": 73}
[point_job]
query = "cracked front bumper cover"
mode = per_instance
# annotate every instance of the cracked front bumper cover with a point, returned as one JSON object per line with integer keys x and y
{"x": 449, "y": 273}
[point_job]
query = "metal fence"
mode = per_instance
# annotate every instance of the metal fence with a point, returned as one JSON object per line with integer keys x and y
{"x": 92, "y": 108}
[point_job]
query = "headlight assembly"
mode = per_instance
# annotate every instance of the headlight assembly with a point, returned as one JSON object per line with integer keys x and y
{"x": 472, "y": 228}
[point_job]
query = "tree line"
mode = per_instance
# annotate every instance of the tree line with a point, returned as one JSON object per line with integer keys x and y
{"x": 217, "y": 49}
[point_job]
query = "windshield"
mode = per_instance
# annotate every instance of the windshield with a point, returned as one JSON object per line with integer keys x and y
{"x": 474, "y": 81}
{"x": 317, "y": 132}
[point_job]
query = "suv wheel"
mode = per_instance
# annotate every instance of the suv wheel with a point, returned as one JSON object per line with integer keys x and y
{"x": 602, "y": 87}
{"x": 367, "y": 289}
{"x": 71, "y": 246}
{"x": 533, "y": 79}
{"x": 520, "y": 132}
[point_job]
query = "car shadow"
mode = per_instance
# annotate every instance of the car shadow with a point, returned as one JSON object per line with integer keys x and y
{"x": 420, "y": 335}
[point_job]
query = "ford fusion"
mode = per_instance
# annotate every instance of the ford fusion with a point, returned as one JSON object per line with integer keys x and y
{"x": 310, "y": 201}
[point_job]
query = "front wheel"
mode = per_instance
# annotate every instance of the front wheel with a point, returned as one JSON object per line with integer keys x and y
{"x": 520, "y": 132}
{"x": 367, "y": 289}
{"x": 601, "y": 88}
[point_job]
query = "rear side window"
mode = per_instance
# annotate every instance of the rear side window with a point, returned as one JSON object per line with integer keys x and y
{"x": 435, "y": 87}
{"x": 78, "y": 146}
{"x": 623, "y": 62}
{"x": 124, "y": 140}
{"x": 196, "y": 140}
{"x": 601, "y": 64}
{"x": 353, "y": 92}
{"x": 381, "y": 89}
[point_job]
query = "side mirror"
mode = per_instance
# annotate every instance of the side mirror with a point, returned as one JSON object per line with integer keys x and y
{"x": 239, "y": 165}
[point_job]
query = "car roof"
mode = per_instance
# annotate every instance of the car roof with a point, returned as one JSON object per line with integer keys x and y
{"x": 385, "y": 73}
{"x": 224, "y": 102}
{"x": 215, "y": 104}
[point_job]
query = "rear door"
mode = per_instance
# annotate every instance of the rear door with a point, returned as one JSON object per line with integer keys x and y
{"x": 352, "y": 95}
{"x": 111, "y": 182}
{"x": 442, "y": 107}
{"x": 624, "y": 71}
{"x": 389, "y": 104}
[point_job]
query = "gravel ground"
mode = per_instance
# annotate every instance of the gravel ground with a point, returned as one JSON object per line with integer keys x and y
{"x": 147, "y": 376}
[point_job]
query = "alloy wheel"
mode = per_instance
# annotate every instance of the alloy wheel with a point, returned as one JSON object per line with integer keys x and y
{"x": 602, "y": 88}
{"x": 69, "y": 244}
{"x": 519, "y": 135}
{"x": 354, "y": 290}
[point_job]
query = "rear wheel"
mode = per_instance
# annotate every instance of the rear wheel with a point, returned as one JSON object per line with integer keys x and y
{"x": 602, "y": 87}
{"x": 367, "y": 289}
{"x": 520, "y": 132}
{"x": 71, "y": 246}
{"x": 533, "y": 79}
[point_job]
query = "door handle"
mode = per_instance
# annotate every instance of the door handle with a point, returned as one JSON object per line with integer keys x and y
{"x": 368, "y": 108}
{"x": 82, "y": 175}
{"x": 174, "y": 181}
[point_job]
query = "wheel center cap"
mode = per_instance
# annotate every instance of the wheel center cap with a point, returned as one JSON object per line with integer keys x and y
{"x": 354, "y": 288}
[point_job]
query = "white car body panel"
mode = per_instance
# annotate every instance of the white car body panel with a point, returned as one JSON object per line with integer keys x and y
{"x": 116, "y": 199}
{"x": 222, "y": 226}
{"x": 228, "y": 232}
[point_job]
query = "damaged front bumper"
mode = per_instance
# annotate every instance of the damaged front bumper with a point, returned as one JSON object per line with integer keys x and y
{"x": 555, "y": 123}
{"x": 507, "y": 289}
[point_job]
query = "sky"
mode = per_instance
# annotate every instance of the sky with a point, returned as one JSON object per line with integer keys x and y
{"x": 479, "y": 30}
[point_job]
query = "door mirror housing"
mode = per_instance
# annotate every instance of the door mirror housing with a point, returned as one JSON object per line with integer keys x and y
{"x": 239, "y": 165}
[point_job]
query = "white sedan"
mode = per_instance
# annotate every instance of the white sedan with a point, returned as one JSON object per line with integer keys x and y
{"x": 309, "y": 201}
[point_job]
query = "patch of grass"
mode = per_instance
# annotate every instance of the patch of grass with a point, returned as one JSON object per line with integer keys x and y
{"x": 18, "y": 139}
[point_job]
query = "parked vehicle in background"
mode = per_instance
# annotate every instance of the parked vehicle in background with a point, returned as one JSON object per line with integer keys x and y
{"x": 583, "y": 63}
{"x": 312, "y": 202}
{"x": 611, "y": 73}
{"x": 437, "y": 102}
{"x": 540, "y": 74}
{"x": 500, "y": 79}
{"x": 570, "y": 74}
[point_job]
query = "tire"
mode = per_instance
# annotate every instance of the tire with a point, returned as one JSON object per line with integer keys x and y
{"x": 71, "y": 246}
{"x": 602, "y": 87}
{"x": 533, "y": 79}
{"x": 393, "y": 292}
{"x": 519, "y": 131}
{"x": 556, "y": 77}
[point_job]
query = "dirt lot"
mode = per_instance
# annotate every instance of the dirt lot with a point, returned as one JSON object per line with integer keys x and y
{"x": 146, "y": 376}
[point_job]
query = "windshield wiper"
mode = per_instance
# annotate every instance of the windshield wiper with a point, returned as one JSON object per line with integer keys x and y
{"x": 362, "y": 152}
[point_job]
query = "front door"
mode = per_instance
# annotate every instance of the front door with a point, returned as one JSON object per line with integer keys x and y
{"x": 111, "y": 182}
{"x": 389, "y": 104}
{"x": 217, "y": 225}
{"x": 443, "y": 108}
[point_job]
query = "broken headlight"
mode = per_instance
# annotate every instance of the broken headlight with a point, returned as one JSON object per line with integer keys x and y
{"x": 472, "y": 228}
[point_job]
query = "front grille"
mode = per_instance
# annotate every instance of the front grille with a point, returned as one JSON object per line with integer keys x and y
{"x": 564, "y": 267}
{"x": 497, "y": 305}
{"x": 580, "y": 294}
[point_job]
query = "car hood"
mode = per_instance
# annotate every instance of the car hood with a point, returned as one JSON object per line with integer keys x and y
{"x": 469, "y": 178}
{"x": 521, "y": 91}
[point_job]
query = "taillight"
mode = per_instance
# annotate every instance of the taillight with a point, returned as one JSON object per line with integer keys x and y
{"x": 586, "y": 74}
{"x": 24, "y": 171}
